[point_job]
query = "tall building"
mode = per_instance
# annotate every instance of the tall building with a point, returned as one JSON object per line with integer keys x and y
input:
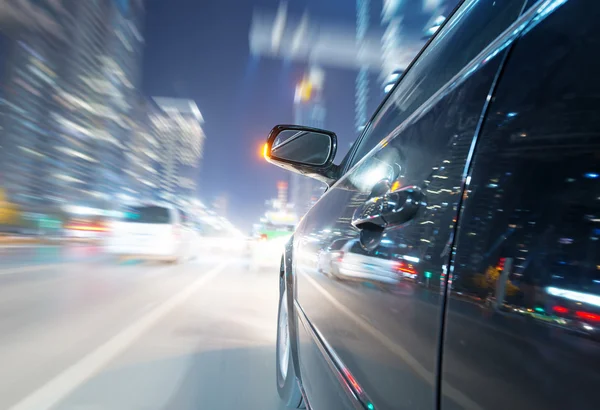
{"x": 97, "y": 93}
{"x": 309, "y": 110}
{"x": 143, "y": 156}
{"x": 35, "y": 36}
{"x": 178, "y": 127}
{"x": 70, "y": 90}
{"x": 407, "y": 27}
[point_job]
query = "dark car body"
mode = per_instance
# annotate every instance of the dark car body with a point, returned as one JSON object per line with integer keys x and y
{"x": 494, "y": 132}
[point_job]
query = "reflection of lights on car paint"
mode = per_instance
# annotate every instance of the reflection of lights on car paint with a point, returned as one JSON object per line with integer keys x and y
{"x": 587, "y": 327}
{"x": 352, "y": 380}
{"x": 573, "y": 295}
{"x": 512, "y": 114}
{"x": 386, "y": 242}
{"x": 374, "y": 175}
{"x": 412, "y": 259}
{"x": 591, "y": 175}
{"x": 588, "y": 316}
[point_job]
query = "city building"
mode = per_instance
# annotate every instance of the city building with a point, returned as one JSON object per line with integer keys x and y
{"x": 70, "y": 86}
{"x": 309, "y": 110}
{"x": 143, "y": 156}
{"x": 33, "y": 37}
{"x": 407, "y": 29}
{"x": 177, "y": 124}
{"x": 279, "y": 218}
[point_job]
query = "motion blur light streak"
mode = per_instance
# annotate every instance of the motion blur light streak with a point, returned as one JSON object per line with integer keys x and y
{"x": 560, "y": 309}
{"x": 588, "y": 316}
{"x": 352, "y": 381}
{"x": 573, "y": 295}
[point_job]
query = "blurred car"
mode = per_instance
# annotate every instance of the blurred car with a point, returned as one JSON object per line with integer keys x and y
{"x": 153, "y": 232}
{"x": 353, "y": 262}
{"x": 330, "y": 257}
{"x": 482, "y": 166}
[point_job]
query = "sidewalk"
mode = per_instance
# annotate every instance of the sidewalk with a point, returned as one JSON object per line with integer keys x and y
{"x": 10, "y": 240}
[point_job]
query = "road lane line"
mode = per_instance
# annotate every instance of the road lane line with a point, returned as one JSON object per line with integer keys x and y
{"x": 64, "y": 383}
{"x": 395, "y": 348}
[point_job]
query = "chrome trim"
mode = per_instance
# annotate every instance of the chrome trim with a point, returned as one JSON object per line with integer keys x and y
{"x": 360, "y": 398}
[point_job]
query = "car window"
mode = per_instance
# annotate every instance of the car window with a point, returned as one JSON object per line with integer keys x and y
{"x": 337, "y": 245}
{"x": 147, "y": 214}
{"x": 473, "y": 26}
{"x": 357, "y": 249}
{"x": 382, "y": 252}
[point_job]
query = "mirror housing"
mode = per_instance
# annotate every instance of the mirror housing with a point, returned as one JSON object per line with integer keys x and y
{"x": 304, "y": 150}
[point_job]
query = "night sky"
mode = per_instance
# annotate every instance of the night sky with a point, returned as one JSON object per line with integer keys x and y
{"x": 199, "y": 50}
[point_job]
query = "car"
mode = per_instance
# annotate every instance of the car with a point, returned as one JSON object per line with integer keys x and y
{"x": 481, "y": 168}
{"x": 157, "y": 232}
{"x": 353, "y": 262}
{"x": 329, "y": 257}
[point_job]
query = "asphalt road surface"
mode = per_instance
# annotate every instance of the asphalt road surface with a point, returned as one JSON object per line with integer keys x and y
{"x": 81, "y": 330}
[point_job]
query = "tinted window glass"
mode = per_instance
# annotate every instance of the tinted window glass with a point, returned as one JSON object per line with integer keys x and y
{"x": 337, "y": 245}
{"x": 382, "y": 253}
{"x": 474, "y": 25}
{"x": 523, "y": 319}
{"x": 357, "y": 249}
{"x": 147, "y": 214}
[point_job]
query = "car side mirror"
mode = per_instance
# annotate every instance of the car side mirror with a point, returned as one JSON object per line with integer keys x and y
{"x": 305, "y": 150}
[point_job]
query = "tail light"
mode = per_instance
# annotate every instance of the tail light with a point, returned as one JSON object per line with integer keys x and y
{"x": 176, "y": 231}
{"x": 560, "y": 309}
{"x": 406, "y": 268}
{"x": 340, "y": 256}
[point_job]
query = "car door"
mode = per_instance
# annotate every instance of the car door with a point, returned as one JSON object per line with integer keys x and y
{"x": 523, "y": 322}
{"x": 383, "y": 339}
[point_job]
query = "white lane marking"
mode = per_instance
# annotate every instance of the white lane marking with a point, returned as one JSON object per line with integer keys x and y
{"x": 64, "y": 383}
{"x": 395, "y": 348}
{"x": 33, "y": 268}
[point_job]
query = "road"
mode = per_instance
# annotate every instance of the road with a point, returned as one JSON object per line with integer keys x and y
{"x": 80, "y": 330}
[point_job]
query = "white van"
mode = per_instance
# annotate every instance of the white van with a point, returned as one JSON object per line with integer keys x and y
{"x": 152, "y": 232}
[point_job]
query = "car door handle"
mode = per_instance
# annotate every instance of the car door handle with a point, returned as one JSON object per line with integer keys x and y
{"x": 393, "y": 208}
